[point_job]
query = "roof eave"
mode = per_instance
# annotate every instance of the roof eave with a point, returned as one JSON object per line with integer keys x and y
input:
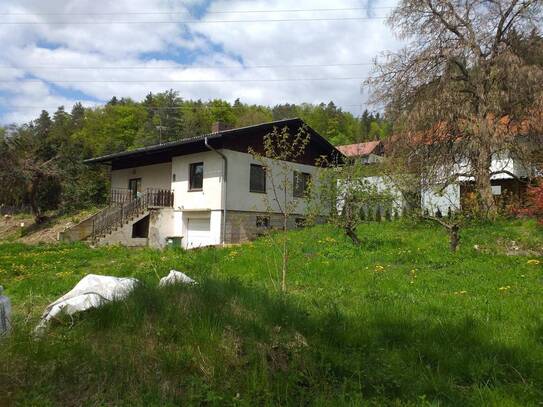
{"x": 109, "y": 158}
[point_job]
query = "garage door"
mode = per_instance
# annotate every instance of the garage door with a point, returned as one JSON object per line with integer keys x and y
{"x": 198, "y": 233}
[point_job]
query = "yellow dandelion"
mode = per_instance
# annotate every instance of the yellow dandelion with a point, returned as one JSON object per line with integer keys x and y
{"x": 533, "y": 262}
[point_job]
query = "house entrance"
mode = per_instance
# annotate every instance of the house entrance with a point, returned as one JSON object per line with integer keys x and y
{"x": 134, "y": 185}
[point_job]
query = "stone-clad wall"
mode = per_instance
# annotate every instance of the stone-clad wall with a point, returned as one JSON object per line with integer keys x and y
{"x": 242, "y": 226}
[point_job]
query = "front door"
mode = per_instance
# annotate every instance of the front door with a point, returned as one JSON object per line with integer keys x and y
{"x": 134, "y": 185}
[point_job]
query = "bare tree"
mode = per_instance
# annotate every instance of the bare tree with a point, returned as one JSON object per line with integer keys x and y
{"x": 462, "y": 90}
{"x": 22, "y": 164}
{"x": 281, "y": 150}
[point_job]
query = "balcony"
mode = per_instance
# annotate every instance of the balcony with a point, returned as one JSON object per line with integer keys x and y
{"x": 152, "y": 197}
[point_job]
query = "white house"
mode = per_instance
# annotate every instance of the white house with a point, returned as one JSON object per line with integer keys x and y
{"x": 448, "y": 195}
{"x": 206, "y": 190}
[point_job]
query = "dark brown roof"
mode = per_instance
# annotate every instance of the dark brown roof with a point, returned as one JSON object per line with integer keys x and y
{"x": 225, "y": 138}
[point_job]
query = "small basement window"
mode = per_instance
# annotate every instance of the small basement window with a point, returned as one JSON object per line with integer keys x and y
{"x": 196, "y": 176}
{"x": 263, "y": 222}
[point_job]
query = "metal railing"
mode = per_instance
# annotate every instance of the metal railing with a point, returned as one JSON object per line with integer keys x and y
{"x": 124, "y": 207}
{"x": 120, "y": 196}
{"x": 159, "y": 198}
{"x": 156, "y": 197}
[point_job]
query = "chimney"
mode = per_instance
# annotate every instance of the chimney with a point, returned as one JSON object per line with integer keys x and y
{"x": 217, "y": 127}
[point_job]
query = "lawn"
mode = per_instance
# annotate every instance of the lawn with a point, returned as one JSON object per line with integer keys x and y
{"x": 399, "y": 321}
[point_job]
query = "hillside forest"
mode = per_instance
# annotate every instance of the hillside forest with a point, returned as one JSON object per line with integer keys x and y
{"x": 42, "y": 166}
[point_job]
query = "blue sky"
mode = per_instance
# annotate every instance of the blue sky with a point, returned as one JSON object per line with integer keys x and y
{"x": 142, "y": 46}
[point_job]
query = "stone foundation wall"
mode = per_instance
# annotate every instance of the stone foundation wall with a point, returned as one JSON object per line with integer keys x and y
{"x": 242, "y": 226}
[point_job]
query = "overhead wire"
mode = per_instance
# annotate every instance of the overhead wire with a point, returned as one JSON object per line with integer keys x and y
{"x": 176, "y": 66}
{"x": 98, "y": 81}
{"x": 153, "y": 12}
{"x": 190, "y": 21}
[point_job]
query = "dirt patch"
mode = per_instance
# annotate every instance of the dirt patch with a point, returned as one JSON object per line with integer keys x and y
{"x": 10, "y": 227}
{"x": 47, "y": 232}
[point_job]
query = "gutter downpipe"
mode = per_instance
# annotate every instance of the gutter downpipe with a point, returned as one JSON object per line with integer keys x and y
{"x": 224, "y": 186}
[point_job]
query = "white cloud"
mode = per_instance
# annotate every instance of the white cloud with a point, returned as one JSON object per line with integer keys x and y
{"x": 33, "y": 47}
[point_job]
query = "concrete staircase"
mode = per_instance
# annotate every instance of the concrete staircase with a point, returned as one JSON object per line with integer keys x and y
{"x": 122, "y": 234}
{"x": 113, "y": 224}
{"x": 109, "y": 220}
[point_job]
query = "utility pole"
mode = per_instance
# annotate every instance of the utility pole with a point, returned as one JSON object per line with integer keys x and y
{"x": 160, "y": 127}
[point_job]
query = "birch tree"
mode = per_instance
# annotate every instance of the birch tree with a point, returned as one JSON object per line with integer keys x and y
{"x": 281, "y": 149}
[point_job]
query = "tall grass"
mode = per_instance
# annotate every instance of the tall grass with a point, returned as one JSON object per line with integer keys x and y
{"x": 401, "y": 321}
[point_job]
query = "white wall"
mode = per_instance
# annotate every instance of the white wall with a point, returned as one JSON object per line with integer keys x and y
{"x": 500, "y": 162}
{"x": 386, "y": 185}
{"x": 207, "y": 203}
{"x": 152, "y": 176}
{"x": 161, "y": 227}
{"x": 434, "y": 199}
{"x": 241, "y": 199}
{"x": 211, "y": 195}
{"x": 210, "y": 201}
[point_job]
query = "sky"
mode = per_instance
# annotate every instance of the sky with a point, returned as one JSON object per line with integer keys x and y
{"x": 58, "y": 52}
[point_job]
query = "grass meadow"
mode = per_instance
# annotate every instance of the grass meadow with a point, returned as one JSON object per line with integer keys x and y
{"x": 401, "y": 321}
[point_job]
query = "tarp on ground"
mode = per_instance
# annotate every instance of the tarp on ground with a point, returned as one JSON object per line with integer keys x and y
{"x": 176, "y": 277}
{"x": 92, "y": 291}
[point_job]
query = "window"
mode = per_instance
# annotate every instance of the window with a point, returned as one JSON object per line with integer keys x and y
{"x": 258, "y": 179}
{"x": 196, "y": 177}
{"x": 263, "y": 222}
{"x": 301, "y": 183}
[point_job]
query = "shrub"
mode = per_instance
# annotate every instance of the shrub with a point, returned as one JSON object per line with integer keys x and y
{"x": 535, "y": 203}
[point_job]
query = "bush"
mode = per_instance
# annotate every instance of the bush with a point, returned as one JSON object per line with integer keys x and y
{"x": 535, "y": 203}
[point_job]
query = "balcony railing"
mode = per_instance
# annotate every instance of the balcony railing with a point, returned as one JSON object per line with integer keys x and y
{"x": 153, "y": 197}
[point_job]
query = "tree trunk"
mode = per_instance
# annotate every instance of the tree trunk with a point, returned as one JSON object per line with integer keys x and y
{"x": 285, "y": 255}
{"x": 352, "y": 234}
{"x": 481, "y": 172}
{"x": 454, "y": 233}
{"x": 32, "y": 197}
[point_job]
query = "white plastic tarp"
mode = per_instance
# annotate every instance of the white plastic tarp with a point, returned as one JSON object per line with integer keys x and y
{"x": 92, "y": 291}
{"x": 176, "y": 277}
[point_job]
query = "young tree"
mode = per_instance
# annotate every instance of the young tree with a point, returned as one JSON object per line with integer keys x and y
{"x": 281, "y": 149}
{"x": 461, "y": 88}
{"x": 348, "y": 190}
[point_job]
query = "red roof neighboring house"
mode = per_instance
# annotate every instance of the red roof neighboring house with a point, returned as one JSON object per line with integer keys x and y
{"x": 362, "y": 149}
